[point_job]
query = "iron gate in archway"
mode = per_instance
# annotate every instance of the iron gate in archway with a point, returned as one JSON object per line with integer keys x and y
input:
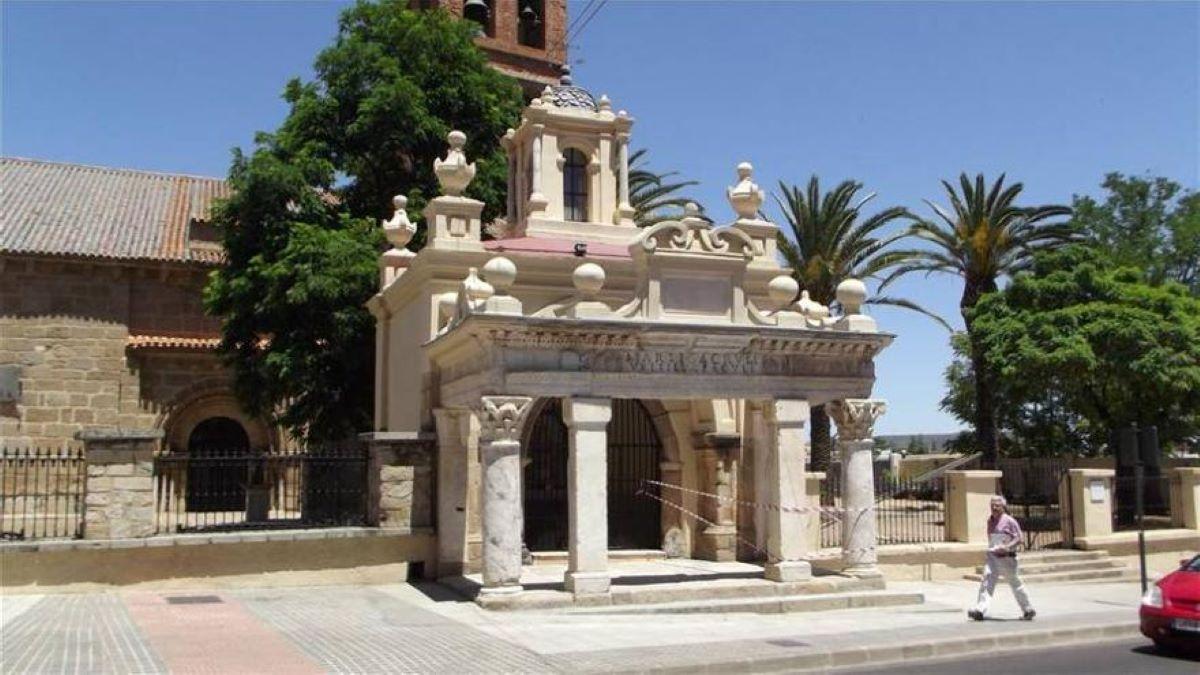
{"x": 634, "y": 453}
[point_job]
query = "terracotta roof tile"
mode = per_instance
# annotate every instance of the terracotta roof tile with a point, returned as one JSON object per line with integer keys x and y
{"x": 76, "y": 210}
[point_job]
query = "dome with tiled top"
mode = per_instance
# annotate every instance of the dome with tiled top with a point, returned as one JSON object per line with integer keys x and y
{"x": 566, "y": 95}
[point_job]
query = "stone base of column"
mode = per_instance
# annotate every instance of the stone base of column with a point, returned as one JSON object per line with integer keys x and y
{"x": 791, "y": 570}
{"x": 717, "y": 542}
{"x": 863, "y": 571}
{"x": 587, "y": 583}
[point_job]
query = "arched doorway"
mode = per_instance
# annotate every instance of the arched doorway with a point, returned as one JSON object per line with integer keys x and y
{"x": 216, "y": 470}
{"x": 634, "y": 456}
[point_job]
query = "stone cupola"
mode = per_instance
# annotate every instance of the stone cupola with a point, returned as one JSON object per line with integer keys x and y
{"x": 568, "y": 169}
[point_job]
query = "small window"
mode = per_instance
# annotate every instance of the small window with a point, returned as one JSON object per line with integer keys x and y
{"x": 575, "y": 188}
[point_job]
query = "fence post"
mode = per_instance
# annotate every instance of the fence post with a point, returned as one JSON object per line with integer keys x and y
{"x": 399, "y": 479}
{"x": 119, "y": 501}
{"x": 812, "y": 490}
{"x": 968, "y": 500}
{"x": 1185, "y": 497}
{"x": 1091, "y": 495}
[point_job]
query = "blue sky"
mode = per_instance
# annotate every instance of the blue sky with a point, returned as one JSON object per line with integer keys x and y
{"x": 896, "y": 95}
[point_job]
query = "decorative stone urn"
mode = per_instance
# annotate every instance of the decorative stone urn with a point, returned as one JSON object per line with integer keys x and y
{"x": 746, "y": 197}
{"x": 454, "y": 173}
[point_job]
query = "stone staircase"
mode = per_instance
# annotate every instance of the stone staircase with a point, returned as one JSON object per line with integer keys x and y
{"x": 1063, "y": 566}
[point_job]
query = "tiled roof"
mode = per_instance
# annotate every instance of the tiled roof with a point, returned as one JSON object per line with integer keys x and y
{"x": 137, "y": 342}
{"x": 96, "y": 212}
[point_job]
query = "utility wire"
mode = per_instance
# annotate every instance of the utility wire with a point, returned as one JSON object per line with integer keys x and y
{"x": 571, "y": 26}
{"x": 585, "y": 22}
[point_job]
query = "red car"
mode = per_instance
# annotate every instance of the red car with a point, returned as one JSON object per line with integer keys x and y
{"x": 1170, "y": 610}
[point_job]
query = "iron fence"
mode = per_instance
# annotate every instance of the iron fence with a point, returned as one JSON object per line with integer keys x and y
{"x": 1031, "y": 486}
{"x": 42, "y": 493}
{"x": 215, "y": 489}
{"x": 907, "y": 511}
{"x": 1156, "y": 501}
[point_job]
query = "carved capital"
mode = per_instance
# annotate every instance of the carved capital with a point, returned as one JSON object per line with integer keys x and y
{"x": 503, "y": 417}
{"x": 855, "y": 417}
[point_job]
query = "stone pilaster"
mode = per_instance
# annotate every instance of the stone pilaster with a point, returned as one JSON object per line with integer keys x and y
{"x": 501, "y": 421}
{"x": 455, "y": 498}
{"x": 120, "y": 483}
{"x": 969, "y": 504}
{"x": 785, "y": 425}
{"x": 400, "y": 479}
{"x": 1185, "y": 497}
{"x": 587, "y": 494}
{"x": 719, "y": 540}
{"x": 855, "y": 420}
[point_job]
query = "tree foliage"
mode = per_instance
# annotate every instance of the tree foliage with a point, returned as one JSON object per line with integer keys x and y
{"x": 1151, "y": 223}
{"x": 300, "y": 231}
{"x": 982, "y": 238}
{"x": 1079, "y": 348}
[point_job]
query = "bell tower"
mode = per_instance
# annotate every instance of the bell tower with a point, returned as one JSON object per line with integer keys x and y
{"x": 568, "y": 168}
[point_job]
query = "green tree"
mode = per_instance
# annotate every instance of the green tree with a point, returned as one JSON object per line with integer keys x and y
{"x": 300, "y": 232}
{"x": 830, "y": 241}
{"x": 1109, "y": 347}
{"x": 653, "y": 196}
{"x": 982, "y": 238}
{"x": 1149, "y": 223}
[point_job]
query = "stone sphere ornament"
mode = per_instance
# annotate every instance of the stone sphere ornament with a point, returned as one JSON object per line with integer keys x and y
{"x": 851, "y": 293}
{"x": 782, "y": 290}
{"x": 500, "y": 272}
{"x": 588, "y": 279}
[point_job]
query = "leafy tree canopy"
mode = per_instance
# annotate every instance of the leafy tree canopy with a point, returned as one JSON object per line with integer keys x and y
{"x": 1098, "y": 345}
{"x": 300, "y": 230}
{"x": 1150, "y": 223}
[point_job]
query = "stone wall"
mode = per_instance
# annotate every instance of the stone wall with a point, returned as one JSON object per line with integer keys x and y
{"x": 65, "y": 327}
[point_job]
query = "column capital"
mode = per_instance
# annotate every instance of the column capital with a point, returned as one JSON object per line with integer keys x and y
{"x": 503, "y": 417}
{"x": 592, "y": 414}
{"x": 855, "y": 417}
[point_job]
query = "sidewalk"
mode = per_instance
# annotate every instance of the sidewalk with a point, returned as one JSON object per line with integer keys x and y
{"x": 426, "y": 628}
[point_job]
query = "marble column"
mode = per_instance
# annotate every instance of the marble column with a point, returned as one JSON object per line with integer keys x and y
{"x": 855, "y": 420}
{"x": 785, "y": 450}
{"x": 587, "y": 494}
{"x": 501, "y": 421}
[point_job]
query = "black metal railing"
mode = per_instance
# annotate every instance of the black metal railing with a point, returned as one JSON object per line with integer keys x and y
{"x": 1031, "y": 486}
{"x": 907, "y": 511}
{"x": 1156, "y": 502}
{"x": 42, "y": 493}
{"x": 229, "y": 489}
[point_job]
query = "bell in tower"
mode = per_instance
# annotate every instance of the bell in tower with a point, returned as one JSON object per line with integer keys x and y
{"x": 568, "y": 168}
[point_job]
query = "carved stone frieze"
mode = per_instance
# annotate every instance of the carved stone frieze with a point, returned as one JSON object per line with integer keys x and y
{"x": 503, "y": 417}
{"x": 855, "y": 417}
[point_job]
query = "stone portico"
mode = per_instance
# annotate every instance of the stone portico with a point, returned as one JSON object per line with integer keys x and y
{"x": 680, "y": 357}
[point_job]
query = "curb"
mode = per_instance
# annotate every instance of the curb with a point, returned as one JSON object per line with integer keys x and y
{"x": 878, "y": 655}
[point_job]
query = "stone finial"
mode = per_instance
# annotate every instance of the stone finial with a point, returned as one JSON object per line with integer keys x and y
{"x": 605, "y": 104}
{"x": 500, "y": 272}
{"x": 588, "y": 279}
{"x": 851, "y": 293}
{"x": 454, "y": 173}
{"x": 692, "y": 212}
{"x": 782, "y": 290}
{"x": 399, "y": 230}
{"x": 476, "y": 290}
{"x": 745, "y": 197}
{"x": 564, "y": 77}
{"x": 810, "y": 308}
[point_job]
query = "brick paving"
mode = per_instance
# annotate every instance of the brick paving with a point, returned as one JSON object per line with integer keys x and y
{"x": 74, "y": 634}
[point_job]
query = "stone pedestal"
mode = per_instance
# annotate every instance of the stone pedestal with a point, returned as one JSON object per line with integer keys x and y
{"x": 501, "y": 421}
{"x": 587, "y": 494}
{"x": 968, "y": 504}
{"x": 120, "y": 483}
{"x": 1090, "y": 494}
{"x": 785, "y": 424}
{"x": 855, "y": 419}
{"x": 400, "y": 479}
{"x": 1185, "y": 497}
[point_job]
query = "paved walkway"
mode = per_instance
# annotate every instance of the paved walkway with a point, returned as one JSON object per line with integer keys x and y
{"x": 404, "y": 628}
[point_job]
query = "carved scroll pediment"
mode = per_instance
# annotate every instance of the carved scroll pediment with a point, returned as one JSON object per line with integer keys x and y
{"x": 697, "y": 236}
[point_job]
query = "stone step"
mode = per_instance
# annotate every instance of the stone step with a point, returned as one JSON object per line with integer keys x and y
{"x": 683, "y": 590}
{"x": 631, "y": 555}
{"x": 766, "y": 605}
{"x": 1050, "y": 567}
{"x": 1115, "y": 573}
{"x": 1064, "y": 556}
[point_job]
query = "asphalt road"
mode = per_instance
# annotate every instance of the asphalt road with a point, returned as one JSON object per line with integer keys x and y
{"x": 1121, "y": 657}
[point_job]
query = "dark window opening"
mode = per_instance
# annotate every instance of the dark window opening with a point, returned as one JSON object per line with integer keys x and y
{"x": 575, "y": 188}
{"x": 531, "y": 26}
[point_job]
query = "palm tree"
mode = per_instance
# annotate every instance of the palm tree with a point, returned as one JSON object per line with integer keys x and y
{"x": 828, "y": 244}
{"x": 652, "y": 197}
{"x": 984, "y": 237}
